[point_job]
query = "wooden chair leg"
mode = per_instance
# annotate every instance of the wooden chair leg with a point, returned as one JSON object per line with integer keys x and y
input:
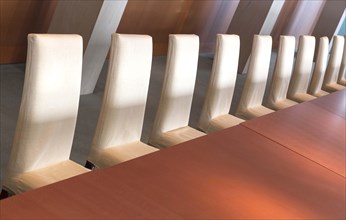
{"x": 89, "y": 165}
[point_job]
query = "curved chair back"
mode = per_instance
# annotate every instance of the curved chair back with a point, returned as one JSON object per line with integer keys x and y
{"x": 342, "y": 71}
{"x": 299, "y": 83}
{"x": 282, "y": 71}
{"x": 315, "y": 87}
{"x": 334, "y": 63}
{"x": 48, "y": 113}
{"x": 119, "y": 128}
{"x": 124, "y": 100}
{"x": 256, "y": 79}
{"x": 49, "y": 106}
{"x": 222, "y": 80}
{"x": 178, "y": 86}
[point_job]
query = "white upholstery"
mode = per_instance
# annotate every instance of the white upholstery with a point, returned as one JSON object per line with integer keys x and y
{"x": 330, "y": 79}
{"x": 297, "y": 90}
{"x": 221, "y": 86}
{"x": 342, "y": 71}
{"x": 172, "y": 117}
{"x": 315, "y": 87}
{"x": 119, "y": 127}
{"x": 282, "y": 74}
{"x": 48, "y": 112}
{"x": 250, "y": 105}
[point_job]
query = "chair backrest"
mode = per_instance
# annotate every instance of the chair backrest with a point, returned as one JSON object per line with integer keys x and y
{"x": 178, "y": 85}
{"x": 303, "y": 65}
{"x": 342, "y": 70}
{"x": 335, "y": 59}
{"x": 320, "y": 66}
{"x": 283, "y": 69}
{"x": 256, "y": 79}
{"x": 124, "y": 100}
{"x": 49, "y": 105}
{"x": 222, "y": 80}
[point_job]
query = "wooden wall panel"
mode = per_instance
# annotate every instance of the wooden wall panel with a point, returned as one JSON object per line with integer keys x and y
{"x": 328, "y": 21}
{"x": 156, "y": 18}
{"x": 161, "y": 18}
{"x": 247, "y": 21}
{"x": 17, "y": 19}
{"x": 283, "y": 20}
{"x": 304, "y": 18}
{"x": 208, "y": 18}
{"x": 75, "y": 17}
{"x": 329, "y": 18}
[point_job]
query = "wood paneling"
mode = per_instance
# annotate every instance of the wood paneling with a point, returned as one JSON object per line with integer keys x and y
{"x": 161, "y": 18}
{"x": 75, "y": 17}
{"x": 283, "y": 20}
{"x": 156, "y": 18}
{"x": 208, "y": 18}
{"x": 329, "y": 18}
{"x": 19, "y": 18}
{"x": 247, "y": 21}
{"x": 303, "y": 19}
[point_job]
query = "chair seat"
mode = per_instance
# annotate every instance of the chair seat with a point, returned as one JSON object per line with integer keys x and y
{"x": 302, "y": 97}
{"x": 254, "y": 112}
{"x": 34, "y": 179}
{"x": 222, "y": 122}
{"x": 321, "y": 93}
{"x": 285, "y": 103}
{"x": 333, "y": 87}
{"x": 176, "y": 136}
{"x": 106, "y": 157}
{"x": 342, "y": 82}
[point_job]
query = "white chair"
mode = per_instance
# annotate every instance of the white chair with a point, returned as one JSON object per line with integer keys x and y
{"x": 282, "y": 74}
{"x": 330, "y": 79}
{"x": 342, "y": 71}
{"x": 250, "y": 105}
{"x": 48, "y": 112}
{"x": 119, "y": 128}
{"x": 297, "y": 90}
{"x": 172, "y": 117}
{"x": 219, "y": 96}
{"x": 315, "y": 87}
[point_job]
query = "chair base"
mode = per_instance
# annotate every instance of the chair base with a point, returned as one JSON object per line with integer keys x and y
{"x": 174, "y": 137}
{"x": 280, "y": 104}
{"x": 301, "y": 97}
{"x": 4, "y": 194}
{"x": 221, "y": 122}
{"x": 333, "y": 87}
{"x": 253, "y": 112}
{"x": 89, "y": 165}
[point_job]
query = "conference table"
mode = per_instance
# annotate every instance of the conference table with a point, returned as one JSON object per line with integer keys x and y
{"x": 315, "y": 130}
{"x": 286, "y": 165}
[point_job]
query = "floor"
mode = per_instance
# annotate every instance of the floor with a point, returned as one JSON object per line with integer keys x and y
{"x": 11, "y": 85}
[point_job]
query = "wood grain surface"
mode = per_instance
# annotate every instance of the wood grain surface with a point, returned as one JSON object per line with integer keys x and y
{"x": 232, "y": 174}
{"x": 310, "y": 129}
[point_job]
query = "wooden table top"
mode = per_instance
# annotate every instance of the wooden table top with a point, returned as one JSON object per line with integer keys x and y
{"x": 334, "y": 102}
{"x": 232, "y": 174}
{"x": 315, "y": 130}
